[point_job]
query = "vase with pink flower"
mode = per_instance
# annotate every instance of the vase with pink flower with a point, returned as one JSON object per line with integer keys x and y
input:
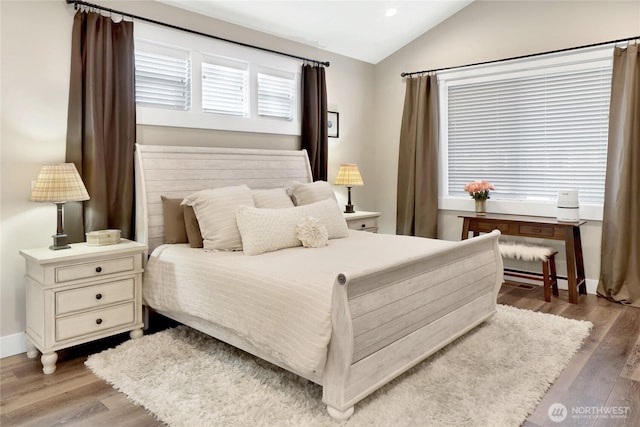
{"x": 479, "y": 191}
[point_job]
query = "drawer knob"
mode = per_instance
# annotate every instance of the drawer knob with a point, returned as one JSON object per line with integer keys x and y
{"x": 98, "y": 296}
{"x": 98, "y": 269}
{"x": 98, "y": 321}
{"x": 363, "y": 225}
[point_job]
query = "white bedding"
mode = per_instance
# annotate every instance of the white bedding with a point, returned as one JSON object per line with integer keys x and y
{"x": 279, "y": 301}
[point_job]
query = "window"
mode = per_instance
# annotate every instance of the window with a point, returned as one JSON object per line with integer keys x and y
{"x": 225, "y": 89}
{"x": 531, "y": 128}
{"x": 163, "y": 77}
{"x": 187, "y": 80}
{"x": 276, "y": 96}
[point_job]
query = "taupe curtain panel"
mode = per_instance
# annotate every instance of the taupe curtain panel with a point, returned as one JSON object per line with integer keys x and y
{"x": 620, "y": 259}
{"x": 417, "y": 204}
{"x": 314, "y": 137}
{"x": 101, "y": 128}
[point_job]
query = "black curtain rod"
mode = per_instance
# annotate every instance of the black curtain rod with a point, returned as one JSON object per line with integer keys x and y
{"x": 175, "y": 27}
{"x": 519, "y": 57}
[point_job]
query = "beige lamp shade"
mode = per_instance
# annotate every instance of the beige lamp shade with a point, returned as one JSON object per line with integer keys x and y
{"x": 349, "y": 175}
{"x": 59, "y": 183}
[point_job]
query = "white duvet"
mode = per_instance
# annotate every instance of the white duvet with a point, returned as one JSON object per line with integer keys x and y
{"x": 279, "y": 301}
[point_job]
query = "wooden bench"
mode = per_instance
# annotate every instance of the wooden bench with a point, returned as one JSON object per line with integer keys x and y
{"x": 533, "y": 253}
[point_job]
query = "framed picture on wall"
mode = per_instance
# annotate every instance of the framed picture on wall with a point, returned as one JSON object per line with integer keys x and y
{"x": 333, "y": 124}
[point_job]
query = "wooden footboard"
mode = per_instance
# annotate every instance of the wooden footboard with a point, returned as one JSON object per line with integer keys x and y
{"x": 388, "y": 321}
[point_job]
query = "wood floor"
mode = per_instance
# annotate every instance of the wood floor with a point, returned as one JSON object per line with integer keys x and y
{"x": 603, "y": 376}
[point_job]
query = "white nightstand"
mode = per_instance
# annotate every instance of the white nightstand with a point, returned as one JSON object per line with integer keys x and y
{"x": 361, "y": 220}
{"x": 81, "y": 294}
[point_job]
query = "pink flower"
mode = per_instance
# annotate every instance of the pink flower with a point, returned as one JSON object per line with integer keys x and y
{"x": 479, "y": 190}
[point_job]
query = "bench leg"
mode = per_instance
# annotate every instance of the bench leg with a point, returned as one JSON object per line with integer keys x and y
{"x": 546, "y": 281}
{"x": 550, "y": 277}
{"x": 554, "y": 274}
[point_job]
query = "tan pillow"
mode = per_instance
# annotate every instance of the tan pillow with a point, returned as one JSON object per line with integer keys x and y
{"x": 274, "y": 198}
{"x": 311, "y": 192}
{"x": 216, "y": 212}
{"x": 193, "y": 228}
{"x": 174, "y": 226}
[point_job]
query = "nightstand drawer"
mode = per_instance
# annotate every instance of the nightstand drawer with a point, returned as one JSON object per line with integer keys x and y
{"x": 94, "y": 269}
{"x": 94, "y": 296}
{"x": 94, "y": 321}
{"x": 363, "y": 224}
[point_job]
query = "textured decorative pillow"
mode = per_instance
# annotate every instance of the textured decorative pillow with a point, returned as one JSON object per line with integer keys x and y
{"x": 274, "y": 198}
{"x": 312, "y": 233}
{"x": 305, "y": 194}
{"x": 216, "y": 213}
{"x": 193, "y": 228}
{"x": 266, "y": 230}
{"x": 174, "y": 229}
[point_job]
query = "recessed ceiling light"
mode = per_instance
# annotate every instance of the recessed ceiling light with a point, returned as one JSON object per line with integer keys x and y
{"x": 391, "y": 12}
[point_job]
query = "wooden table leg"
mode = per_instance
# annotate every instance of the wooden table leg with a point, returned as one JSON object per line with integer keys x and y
{"x": 465, "y": 229}
{"x": 569, "y": 245}
{"x": 581, "y": 278}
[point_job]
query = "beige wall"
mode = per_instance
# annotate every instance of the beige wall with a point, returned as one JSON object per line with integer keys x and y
{"x": 35, "y": 48}
{"x": 484, "y": 31}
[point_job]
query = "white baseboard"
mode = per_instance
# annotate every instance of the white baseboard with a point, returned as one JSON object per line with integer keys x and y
{"x": 12, "y": 344}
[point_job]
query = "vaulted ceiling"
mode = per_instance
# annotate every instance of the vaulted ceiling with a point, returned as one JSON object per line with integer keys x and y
{"x": 365, "y": 30}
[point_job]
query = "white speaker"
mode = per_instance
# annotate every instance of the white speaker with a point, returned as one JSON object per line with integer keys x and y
{"x": 568, "y": 206}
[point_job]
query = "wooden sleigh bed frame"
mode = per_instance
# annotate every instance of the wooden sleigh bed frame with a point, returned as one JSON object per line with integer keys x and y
{"x": 383, "y": 322}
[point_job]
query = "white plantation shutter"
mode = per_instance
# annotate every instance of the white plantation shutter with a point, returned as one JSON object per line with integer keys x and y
{"x": 225, "y": 90}
{"x": 532, "y": 134}
{"x": 163, "y": 80}
{"x": 276, "y": 96}
{"x": 186, "y": 80}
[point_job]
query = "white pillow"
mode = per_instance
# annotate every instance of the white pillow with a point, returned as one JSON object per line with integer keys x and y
{"x": 305, "y": 194}
{"x": 274, "y": 198}
{"x": 266, "y": 230}
{"x": 215, "y": 210}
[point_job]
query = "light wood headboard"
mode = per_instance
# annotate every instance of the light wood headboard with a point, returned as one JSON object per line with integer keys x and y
{"x": 176, "y": 172}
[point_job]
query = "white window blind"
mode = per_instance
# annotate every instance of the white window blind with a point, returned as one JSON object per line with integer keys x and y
{"x": 163, "y": 79}
{"x": 532, "y": 134}
{"x": 225, "y": 90}
{"x": 276, "y": 96}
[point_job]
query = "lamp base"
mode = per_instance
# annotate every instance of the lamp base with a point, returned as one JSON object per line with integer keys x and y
{"x": 60, "y": 241}
{"x": 349, "y": 209}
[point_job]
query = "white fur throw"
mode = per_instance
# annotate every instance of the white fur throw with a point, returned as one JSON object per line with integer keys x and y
{"x": 312, "y": 233}
{"x": 524, "y": 252}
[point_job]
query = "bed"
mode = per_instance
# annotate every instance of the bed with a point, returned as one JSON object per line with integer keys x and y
{"x": 350, "y": 316}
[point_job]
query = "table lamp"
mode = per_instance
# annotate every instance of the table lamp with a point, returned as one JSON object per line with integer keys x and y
{"x": 349, "y": 175}
{"x": 59, "y": 183}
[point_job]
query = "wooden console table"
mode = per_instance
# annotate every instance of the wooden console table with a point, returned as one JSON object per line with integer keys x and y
{"x": 542, "y": 228}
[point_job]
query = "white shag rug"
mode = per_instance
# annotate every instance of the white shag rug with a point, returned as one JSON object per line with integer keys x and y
{"x": 493, "y": 376}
